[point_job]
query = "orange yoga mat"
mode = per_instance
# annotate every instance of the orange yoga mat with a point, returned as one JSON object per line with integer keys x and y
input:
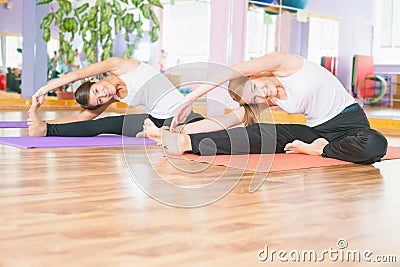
{"x": 277, "y": 162}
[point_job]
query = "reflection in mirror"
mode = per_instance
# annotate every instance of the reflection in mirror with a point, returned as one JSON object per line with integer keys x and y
{"x": 386, "y": 58}
{"x": 271, "y": 27}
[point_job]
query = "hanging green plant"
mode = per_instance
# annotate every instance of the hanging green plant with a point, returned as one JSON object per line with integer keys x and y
{"x": 98, "y": 24}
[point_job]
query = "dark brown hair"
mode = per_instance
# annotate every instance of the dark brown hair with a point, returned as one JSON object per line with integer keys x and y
{"x": 251, "y": 111}
{"x": 82, "y": 95}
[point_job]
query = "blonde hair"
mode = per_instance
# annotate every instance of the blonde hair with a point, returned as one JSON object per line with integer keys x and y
{"x": 251, "y": 111}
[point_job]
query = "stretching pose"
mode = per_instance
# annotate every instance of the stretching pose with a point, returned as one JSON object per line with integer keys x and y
{"x": 337, "y": 126}
{"x": 129, "y": 81}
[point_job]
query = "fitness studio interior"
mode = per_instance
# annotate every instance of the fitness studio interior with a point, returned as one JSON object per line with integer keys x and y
{"x": 74, "y": 193}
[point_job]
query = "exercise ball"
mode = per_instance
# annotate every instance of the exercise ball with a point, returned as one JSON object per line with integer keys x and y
{"x": 263, "y": 1}
{"x": 300, "y": 4}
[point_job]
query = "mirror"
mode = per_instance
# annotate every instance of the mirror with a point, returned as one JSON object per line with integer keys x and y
{"x": 272, "y": 27}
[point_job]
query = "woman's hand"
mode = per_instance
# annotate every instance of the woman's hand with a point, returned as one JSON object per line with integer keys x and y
{"x": 39, "y": 96}
{"x": 52, "y": 85}
{"x": 182, "y": 116}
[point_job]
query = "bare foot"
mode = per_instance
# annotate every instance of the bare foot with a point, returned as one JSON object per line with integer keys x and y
{"x": 316, "y": 148}
{"x": 175, "y": 143}
{"x": 141, "y": 134}
{"x": 37, "y": 127}
{"x": 152, "y": 131}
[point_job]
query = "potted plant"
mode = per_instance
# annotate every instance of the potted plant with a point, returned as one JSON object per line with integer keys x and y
{"x": 98, "y": 24}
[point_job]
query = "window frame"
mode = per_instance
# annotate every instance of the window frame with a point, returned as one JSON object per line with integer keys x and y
{"x": 389, "y": 55}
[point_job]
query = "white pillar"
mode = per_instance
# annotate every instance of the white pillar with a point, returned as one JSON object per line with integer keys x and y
{"x": 227, "y": 46}
{"x": 34, "y": 49}
{"x": 157, "y": 46}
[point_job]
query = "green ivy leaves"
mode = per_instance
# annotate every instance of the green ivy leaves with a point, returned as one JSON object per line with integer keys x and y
{"x": 65, "y": 6}
{"x": 44, "y": 2}
{"x": 45, "y": 24}
{"x": 145, "y": 11}
{"x": 155, "y": 3}
{"x": 154, "y": 18}
{"x": 81, "y": 9}
{"x": 99, "y": 23}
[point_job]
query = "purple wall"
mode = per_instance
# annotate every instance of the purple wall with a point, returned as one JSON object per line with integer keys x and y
{"x": 34, "y": 49}
{"x": 11, "y": 19}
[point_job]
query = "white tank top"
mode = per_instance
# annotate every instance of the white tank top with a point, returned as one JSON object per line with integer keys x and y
{"x": 150, "y": 88}
{"x": 314, "y": 92}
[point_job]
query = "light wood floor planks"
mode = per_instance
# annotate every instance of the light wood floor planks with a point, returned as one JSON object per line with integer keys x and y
{"x": 81, "y": 207}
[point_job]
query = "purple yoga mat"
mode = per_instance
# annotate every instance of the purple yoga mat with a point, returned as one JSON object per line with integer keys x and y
{"x": 13, "y": 124}
{"x": 59, "y": 142}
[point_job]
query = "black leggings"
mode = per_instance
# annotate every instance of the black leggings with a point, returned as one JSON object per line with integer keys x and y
{"x": 128, "y": 125}
{"x": 349, "y": 134}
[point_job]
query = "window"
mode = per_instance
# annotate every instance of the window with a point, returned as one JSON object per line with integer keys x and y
{"x": 13, "y": 57}
{"x": 260, "y": 33}
{"x": 186, "y": 30}
{"x": 52, "y": 46}
{"x": 386, "y": 45}
{"x": 143, "y": 52}
{"x": 2, "y": 53}
{"x": 323, "y": 39}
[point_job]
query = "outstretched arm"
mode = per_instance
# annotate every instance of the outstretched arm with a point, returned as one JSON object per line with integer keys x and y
{"x": 113, "y": 65}
{"x": 85, "y": 115}
{"x": 281, "y": 64}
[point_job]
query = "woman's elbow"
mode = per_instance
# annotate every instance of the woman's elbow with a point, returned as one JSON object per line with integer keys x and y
{"x": 114, "y": 61}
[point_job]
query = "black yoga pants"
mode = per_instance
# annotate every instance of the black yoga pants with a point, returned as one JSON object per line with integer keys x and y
{"x": 128, "y": 125}
{"x": 349, "y": 134}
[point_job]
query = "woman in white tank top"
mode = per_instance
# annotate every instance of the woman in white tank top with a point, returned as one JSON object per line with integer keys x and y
{"x": 129, "y": 81}
{"x": 337, "y": 127}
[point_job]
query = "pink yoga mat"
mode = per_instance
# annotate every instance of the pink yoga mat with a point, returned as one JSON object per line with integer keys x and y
{"x": 280, "y": 162}
{"x": 59, "y": 142}
{"x": 13, "y": 124}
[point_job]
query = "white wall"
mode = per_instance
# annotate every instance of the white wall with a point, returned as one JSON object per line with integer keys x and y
{"x": 355, "y": 30}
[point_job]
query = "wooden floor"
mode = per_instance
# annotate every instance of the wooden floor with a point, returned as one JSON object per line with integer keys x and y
{"x": 81, "y": 207}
